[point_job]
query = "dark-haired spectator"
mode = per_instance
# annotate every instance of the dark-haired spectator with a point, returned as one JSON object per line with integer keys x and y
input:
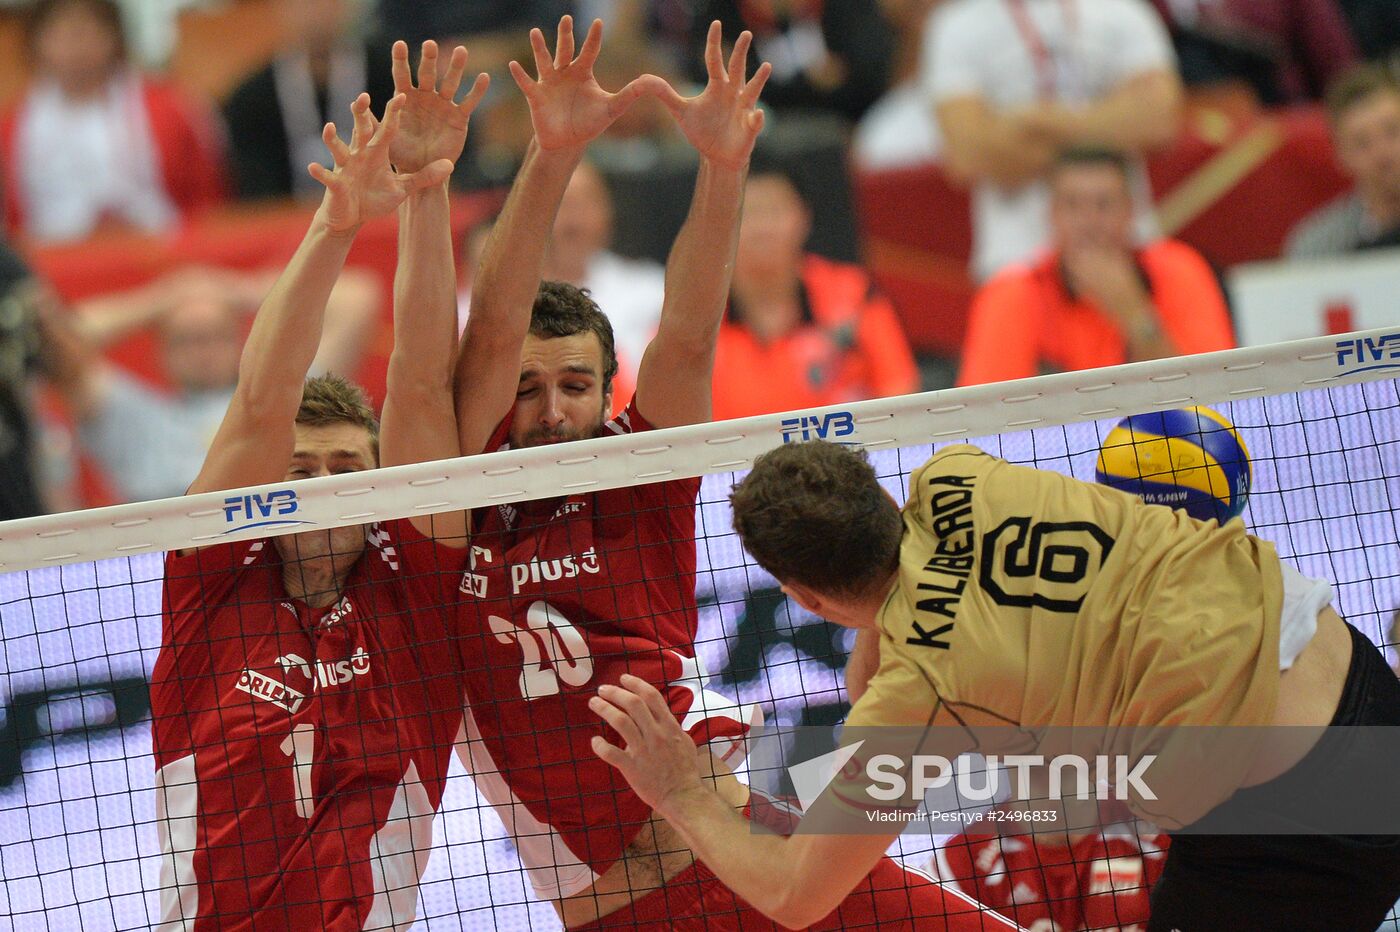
{"x": 801, "y": 331}
{"x": 94, "y": 144}
{"x": 1364, "y": 106}
{"x": 150, "y": 443}
{"x": 1376, "y": 26}
{"x": 826, "y": 56}
{"x": 1094, "y": 299}
{"x": 278, "y": 113}
{"x": 1285, "y": 50}
{"x": 22, "y": 355}
{"x": 1016, "y": 81}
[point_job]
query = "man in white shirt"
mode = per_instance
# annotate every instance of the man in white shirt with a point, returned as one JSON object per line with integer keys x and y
{"x": 1016, "y": 81}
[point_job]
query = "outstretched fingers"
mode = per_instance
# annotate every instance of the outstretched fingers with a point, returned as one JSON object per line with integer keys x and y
{"x": 564, "y": 43}
{"x": 430, "y": 175}
{"x": 714, "y": 53}
{"x": 592, "y": 45}
{"x": 389, "y": 126}
{"x": 428, "y": 66}
{"x": 749, "y": 96}
{"x": 478, "y": 91}
{"x": 739, "y": 58}
{"x": 364, "y": 122}
{"x": 338, "y": 149}
{"x": 543, "y": 64}
{"x": 403, "y": 77}
{"x": 456, "y": 68}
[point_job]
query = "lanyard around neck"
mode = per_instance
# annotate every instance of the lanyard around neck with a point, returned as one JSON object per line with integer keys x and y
{"x": 1041, "y": 58}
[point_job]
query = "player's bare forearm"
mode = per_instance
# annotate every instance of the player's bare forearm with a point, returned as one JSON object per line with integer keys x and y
{"x": 674, "y": 381}
{"x": 254, "y": 441}
{"x": 503, "y": 294}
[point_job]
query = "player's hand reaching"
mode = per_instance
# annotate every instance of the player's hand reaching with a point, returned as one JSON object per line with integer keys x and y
{"x": 659, "y": 760}
{"x": 431, "y": 125}
{"x": 723, "y": 121}
{"x": 568, "y": 108}
{"x": 363, "y": 184}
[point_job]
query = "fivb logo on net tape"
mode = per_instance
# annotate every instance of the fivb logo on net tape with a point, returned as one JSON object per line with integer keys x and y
{"x": 830, "y": 427}
{"x": 261, "y": 510}
{"x": 1368, "y": 354}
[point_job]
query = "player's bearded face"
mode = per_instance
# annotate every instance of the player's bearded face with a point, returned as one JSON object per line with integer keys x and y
{"x": 560, "y": 397}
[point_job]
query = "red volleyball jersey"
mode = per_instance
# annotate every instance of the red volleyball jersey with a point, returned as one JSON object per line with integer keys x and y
{"x": 301, "y": 752}
{"x": 560, "y": 597}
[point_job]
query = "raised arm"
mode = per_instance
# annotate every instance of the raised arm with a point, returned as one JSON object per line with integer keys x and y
{"x": 722, "y": 123}
{"x": 568, "y": 110}
{"x": 419, "y": 423}
{"x": 795, "y": 881}
{"x": 254, "y": 442}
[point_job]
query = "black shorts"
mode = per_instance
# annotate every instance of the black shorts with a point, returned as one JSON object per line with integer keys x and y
{"x": 1327, "y": 883}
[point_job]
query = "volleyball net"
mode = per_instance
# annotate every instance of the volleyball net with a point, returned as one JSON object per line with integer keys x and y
{"x": 81, "y": 594}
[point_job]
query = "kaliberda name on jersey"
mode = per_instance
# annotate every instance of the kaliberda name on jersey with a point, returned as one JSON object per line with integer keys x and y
{"x": 943, "y": 579}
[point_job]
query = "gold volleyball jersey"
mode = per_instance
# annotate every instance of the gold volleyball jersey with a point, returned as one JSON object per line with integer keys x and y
{"x": 1028, "y": 598}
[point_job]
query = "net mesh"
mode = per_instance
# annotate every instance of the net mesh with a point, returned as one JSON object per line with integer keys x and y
{"x": 79, "y": 846}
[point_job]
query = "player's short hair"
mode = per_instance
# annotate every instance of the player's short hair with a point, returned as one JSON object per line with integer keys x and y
{"x": 106, "y": 11}
{"x": 563, "y": 310}
{"x": 1357, "y": 85}
{"x": 814, "y": 513}
{"x": 333, "y": 399}
{"x": 1096, "y": 156}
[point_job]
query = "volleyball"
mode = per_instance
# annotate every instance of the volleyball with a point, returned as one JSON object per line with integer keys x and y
{"x": 1188, "y": 458}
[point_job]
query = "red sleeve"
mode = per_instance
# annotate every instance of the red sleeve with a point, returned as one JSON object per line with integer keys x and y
{"x": 430, "y": 571}
{"x": 1001, "y": 340}
{"x": 1189, "y": 299}
{"x": 888, "y": 358}
{"x": 9, "y": 173}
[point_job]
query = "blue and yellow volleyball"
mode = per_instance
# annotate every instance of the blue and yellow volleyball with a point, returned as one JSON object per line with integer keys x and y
{"x": 1188, "y": 458}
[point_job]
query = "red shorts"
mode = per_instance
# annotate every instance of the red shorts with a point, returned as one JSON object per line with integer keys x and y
{"x": 891, "y": 899}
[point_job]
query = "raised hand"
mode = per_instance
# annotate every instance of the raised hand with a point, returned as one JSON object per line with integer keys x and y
{"x": 723, "y": 121}
{"x": 431, "y": 126}
{"x": 567, "y": 107}
{"x": 364, "y": 185}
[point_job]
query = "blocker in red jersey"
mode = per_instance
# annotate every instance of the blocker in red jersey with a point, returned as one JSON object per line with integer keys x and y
{"x": 567, "y": 594}
{"x": 306, "y": 694}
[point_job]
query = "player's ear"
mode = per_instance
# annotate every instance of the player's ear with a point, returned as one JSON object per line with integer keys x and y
{"x": 805, "y": 596}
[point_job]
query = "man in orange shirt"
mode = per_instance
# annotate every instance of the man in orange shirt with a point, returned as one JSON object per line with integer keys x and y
{"x": 801, "y": 331}
{"x": 1095, "y": 299}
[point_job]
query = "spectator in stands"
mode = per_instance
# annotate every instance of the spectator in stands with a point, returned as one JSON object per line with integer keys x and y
{"x": 1094, "y": 299}
{"x": 1284, "y": 50}
{"x": 492, "y": 29}
{"x": 92, "y": 144}
{"x": 150, "y": 444}
{"x": 278, "y": 113}
{"x": 1375, "y": 24}
{"x": 23, "y": 302}
{"x": 631, "y": 289}
{"x": 899, "y": 129}
{"x": 801, "y": 331}
{"x": 1365, "y": 110}
{"x": 1016, "y": 81}
{"x": 827, "y": 57}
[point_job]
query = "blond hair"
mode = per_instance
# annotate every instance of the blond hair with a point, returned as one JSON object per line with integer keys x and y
{"x": 334, "y": 399}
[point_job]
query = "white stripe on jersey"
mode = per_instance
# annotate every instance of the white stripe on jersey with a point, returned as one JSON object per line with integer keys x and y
{"x": 398, "y": 854}
{"x": 177, "y": 824}
{"x": 554, "y": 871}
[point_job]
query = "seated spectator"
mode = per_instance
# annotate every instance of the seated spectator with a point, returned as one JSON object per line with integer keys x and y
{"x": 1016, "y": 81}
{"x": 93, "y": 144}
{"x": 1365, "y": 110}
{"x": 899, "y": 129}
{"x": 277, "y": 114}
{"x": 1286, "y": 51}
{"x": 1094, "y": 299}
{"x": 828, "y": 57}
{"x": 149, "y": 443}
{"x": 801, "y": 331}
{"x": 631, "y": 289}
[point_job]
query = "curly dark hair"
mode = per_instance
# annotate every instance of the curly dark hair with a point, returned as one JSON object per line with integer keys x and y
{"x": 814, "y": 513}
{"x": 562, "y": 310}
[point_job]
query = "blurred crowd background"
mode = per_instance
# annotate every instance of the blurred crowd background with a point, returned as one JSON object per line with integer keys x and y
{"x": 948, "y": 192}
